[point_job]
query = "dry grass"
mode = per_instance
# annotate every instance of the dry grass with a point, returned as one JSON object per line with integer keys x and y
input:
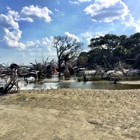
{"x": 70, "y": 114}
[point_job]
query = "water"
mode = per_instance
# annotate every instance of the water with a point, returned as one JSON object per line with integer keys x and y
{"x": 53, "y": 83}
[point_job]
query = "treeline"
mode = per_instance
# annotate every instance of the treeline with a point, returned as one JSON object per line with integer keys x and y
{"x": 111, "y": 51}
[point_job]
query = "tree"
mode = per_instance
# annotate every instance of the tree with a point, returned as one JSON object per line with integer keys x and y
{"x": 95, "y": 56}
{"x": 132, "y": 50}
{"x": 82, "y": 59}
{"x": 105, "y": 45}
{"x": 110, "y": 50}
{"x": 109, "y": 42}
{"x": 67, "y": 49}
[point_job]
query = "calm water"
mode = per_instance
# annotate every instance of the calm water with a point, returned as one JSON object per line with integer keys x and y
{"x": 73, "y": 83}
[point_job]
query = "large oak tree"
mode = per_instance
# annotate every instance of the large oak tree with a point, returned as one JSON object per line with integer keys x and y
{"x": 67, "y": 49}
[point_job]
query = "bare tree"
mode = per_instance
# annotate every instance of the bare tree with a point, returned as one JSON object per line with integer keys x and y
{"x": 67, "y": 49}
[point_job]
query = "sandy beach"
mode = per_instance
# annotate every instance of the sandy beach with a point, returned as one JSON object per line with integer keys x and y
{"x": 70, "y": 114}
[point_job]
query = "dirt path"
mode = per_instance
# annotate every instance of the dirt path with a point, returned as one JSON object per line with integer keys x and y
{"x": 70, "y": 114}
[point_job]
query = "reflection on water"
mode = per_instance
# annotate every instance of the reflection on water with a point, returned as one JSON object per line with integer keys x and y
{"x": 53, "y": 83}
{"x": 73, "y": 83}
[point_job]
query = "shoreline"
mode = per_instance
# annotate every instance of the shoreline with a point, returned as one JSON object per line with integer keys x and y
{"x": 129, "y": 82}
{"x": 70, "y": 114}
{"x": 78, "y": 90}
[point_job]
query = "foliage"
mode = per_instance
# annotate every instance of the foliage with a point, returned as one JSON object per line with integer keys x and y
{"x": 82, "y": 59}
{"x": 110, "y": 50}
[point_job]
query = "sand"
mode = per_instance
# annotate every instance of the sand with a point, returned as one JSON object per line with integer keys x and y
{"x": 70, "y": 114}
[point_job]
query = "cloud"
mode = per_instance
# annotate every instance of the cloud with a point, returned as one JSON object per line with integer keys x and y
{"x": 17, "y": 16}
{"x": 84, "y": 1}
{"x": 130, "y": 23}
{"x": 12, "y": 34}
{"x": 43, "y": 45}
{"x": 79, "y": 1}
{"x": 56, "y": 10}
{"x": 88, "y": 35}
{"x": 72, "y": 36}
{"x": 73, "y": 2}
{"x": 14, "y": 14}
{"x": 12, "y": 37}
{"x": 7, "y": 21}
{"x": 10, "y": 26}
{"x": 46, "y": 41}
{"x": 98, "y": 34}
{"x": 30, "y": 43}
{"x": 33, "y": 12}
{"x": 107, "y": 10}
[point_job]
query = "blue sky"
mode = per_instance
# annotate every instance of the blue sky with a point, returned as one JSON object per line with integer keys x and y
{"x": 27, "y": 27}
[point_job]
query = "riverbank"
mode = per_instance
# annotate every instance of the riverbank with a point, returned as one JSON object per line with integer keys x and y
{"x": 70, "y": 114}
{"x": 130, "y": 82}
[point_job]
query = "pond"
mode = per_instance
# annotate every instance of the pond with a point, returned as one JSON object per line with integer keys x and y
{"x": 53, "y": 83}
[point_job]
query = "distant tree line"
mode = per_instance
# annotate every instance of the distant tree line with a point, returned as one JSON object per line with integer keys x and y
{"x": 111, "y": 51}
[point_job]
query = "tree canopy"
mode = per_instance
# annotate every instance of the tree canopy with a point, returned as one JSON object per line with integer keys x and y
{"x": 109, "y": 50}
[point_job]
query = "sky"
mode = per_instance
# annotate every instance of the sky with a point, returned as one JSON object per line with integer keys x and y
{"x": 27, "y": 27}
